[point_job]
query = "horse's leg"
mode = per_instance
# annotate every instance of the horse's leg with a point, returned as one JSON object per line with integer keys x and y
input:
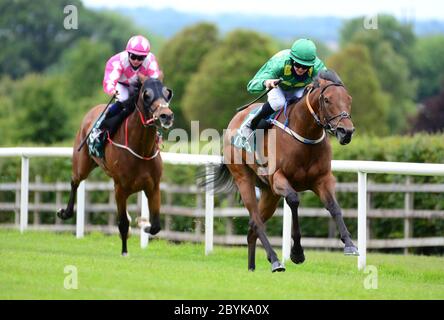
{"x": 267, "y": 206}
{"x": 282, "y": 187}
{"x": 153, "y": 196}
{"x": 325, "y": 189}
{"x": 82, "y": 165}
{"x": 244, "y": 180}
{"x": 122, "y": 216}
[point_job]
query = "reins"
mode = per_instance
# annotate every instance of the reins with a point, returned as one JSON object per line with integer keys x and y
{"x": 146, "y": 123}
{"x": 326, "y": 126}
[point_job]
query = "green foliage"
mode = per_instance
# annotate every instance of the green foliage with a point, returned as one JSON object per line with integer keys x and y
{"x": 41, "y": 114}
{"x": 370, "y": 104}
{"x": 180, "y": 58}
{"x": 84, "y": 66}
{"x": 400, "y": 36}
{"x": 428, "y": 65}
{"x": 219, "y": 87}
{"x": 390, "y": 47}
{"x": 48, "y": 107}
{"x": 33, "y": 35}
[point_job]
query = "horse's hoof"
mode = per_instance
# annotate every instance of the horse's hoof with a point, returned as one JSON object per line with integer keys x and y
{"x": 351, "y": 251}
{"x": 154, "y": 229}
{"x": 147, "y": 229}
{"x": 251, "y": 269}
{"x": 297, "y": 258}
{"x": 125, "y": 254}
{"x": 277, "y": 266}
{"x": 61, "y": 214}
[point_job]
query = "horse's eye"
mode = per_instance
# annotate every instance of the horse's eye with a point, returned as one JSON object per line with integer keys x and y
{"x": 326, "y": 100}
{"x": 148, "y": 95}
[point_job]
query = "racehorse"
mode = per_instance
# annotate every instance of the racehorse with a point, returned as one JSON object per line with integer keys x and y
{"x": 132, "y": 159}
{"x": 302, "y": 161}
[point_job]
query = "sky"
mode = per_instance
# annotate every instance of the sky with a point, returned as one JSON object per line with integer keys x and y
{"x": 404, "y": 9}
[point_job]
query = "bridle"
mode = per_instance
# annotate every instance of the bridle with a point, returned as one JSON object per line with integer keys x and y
{"x": 331, "y": 129}
{"x": 150, "y": 121}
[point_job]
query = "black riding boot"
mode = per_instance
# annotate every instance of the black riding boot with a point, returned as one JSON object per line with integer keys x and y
{"x": 112, "y": 123}
{"x": 249, "y": 127}
{"x": 265, "y": 111}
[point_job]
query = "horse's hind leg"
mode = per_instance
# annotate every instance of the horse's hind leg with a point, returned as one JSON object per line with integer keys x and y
{"x": 325, "y": 189}
{"x": 267, "y": 206}
{"x": 282, "y": 187}
{"x": 122, "y": 217}
{"x": 82, "y": 165}
{"x": 244, "y": 181}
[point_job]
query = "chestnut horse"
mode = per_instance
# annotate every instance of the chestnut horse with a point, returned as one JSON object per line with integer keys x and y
{"x": 131, "y": 158}
{"x": 301, "y": 161}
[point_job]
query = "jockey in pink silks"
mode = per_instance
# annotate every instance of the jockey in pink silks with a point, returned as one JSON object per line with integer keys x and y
{"x": 122, "y": 73}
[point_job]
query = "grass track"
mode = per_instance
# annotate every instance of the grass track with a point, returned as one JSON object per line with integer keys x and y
{"x": 32, "y": 267}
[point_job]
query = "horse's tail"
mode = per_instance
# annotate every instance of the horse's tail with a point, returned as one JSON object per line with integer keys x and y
{"x": 216, "y": 179}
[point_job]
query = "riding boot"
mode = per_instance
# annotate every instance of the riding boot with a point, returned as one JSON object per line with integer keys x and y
{"x": 249, "y": 127}
{"x": 112, "y": 123}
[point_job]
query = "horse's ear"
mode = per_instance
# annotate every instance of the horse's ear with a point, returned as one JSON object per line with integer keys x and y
{"x": 167, "y": 94}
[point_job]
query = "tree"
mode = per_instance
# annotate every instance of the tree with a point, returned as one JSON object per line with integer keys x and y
{"x": 33, "y": 34}
{"x": 370, "y": 104}
{"x": 83, "y": 66}
{"x": 400, "y": 36}
{"x": 181, "y": 57}
{"x": 430, "y": 117}
{"x": 390, "y": 47}
{"x": 214, "y": 92}
{"x": 428, "y": 65}
{"x": 40, "y": 109}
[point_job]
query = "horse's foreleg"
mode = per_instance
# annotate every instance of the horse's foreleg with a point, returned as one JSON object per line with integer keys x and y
{"x": 325, "y": 189}
{"x": 244, "y": 181}
{"x": 67, "y": 213}
{"x": 122, "y": 217}
{"x": 282, "y": 187}
{"x": 154, "y": 206}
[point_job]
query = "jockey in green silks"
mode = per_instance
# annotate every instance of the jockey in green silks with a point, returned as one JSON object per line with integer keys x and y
{"x": 296, "y": 67}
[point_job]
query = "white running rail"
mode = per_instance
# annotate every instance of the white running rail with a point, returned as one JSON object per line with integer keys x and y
{"x": 359, "y": 167}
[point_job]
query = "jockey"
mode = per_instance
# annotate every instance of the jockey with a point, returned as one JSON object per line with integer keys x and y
{"x": 296, "y": 67}
{"x": 122, "y": 74}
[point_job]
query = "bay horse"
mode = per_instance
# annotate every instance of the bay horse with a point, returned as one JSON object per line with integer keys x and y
{"x": 132, "y": 159}
{"x": 302, "y": 161}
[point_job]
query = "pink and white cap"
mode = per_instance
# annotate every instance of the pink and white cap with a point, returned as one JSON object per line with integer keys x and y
{"x": 138, "y": 45}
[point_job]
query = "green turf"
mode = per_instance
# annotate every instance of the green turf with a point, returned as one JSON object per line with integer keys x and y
{"x": 32, "y": 267}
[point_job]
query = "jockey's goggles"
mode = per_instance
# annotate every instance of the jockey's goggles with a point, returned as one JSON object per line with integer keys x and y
{"x": 136, "y": 57}
{"x": 300, "y": 66}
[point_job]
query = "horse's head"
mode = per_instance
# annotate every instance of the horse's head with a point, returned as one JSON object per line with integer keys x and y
{"x": 334, "y": 106}
{"x": 155, "y": 98}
